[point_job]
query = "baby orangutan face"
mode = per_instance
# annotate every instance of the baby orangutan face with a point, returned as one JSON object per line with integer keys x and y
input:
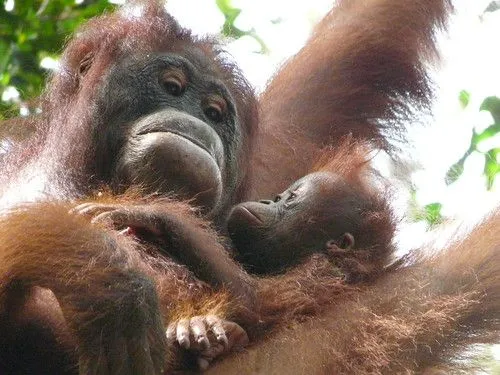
{"x": 269, "y": 236}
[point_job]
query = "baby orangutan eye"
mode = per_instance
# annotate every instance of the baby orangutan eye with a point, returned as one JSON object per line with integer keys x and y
{"x": 291, "y": 197}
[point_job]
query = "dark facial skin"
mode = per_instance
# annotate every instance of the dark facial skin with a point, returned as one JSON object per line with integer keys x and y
{"x": 170, "y": 126}
{"x": 270, "y": 236}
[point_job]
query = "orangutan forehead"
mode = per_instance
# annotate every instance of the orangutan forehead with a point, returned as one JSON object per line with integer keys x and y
{"x": 199, "y": 57}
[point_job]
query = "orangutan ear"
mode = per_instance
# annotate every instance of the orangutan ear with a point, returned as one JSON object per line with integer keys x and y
{"x": 346, "y": 241}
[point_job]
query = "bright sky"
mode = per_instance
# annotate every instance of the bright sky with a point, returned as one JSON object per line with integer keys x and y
{"x": 283, "y": 25}
{"x": 471, "y": 63}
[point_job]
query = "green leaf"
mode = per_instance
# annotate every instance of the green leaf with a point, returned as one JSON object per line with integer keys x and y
{"x": 487, "y": 133}
{"x": 492, "y": 105}
{"x": 491, "y": 166}
{"x": 35, "y": 29}
{"x": 430, "y": 213}
{"x": 464, "y": 98}
{"x": 433, "y": 213}
{"x": 457, "y": 169}
{"x": 230, "y": 14}
{"x": 4, "y": 79}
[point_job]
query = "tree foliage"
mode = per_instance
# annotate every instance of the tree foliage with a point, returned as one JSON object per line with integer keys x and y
{"x": 492, "y": 155}
{"x": 31, "y": 31}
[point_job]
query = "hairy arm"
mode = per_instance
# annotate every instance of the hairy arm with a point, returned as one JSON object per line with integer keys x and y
{"x": 110, "y": 305}
{"x": 362, "y": 73}
{"x": 180, "y": 233}
{"x": 256, "y": 303}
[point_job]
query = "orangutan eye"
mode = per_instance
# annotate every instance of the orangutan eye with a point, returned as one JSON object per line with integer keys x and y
{"x": 174, "y": 83}
{"x": 291, "y": 197}
{"x": 214, "y": 113}
{"x": 173, "y": 87}
{"x": 85, "y": 64}
{"x": 215, "y": 108}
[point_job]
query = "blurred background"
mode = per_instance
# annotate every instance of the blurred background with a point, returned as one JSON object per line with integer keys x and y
{"x": 447, "y": 174}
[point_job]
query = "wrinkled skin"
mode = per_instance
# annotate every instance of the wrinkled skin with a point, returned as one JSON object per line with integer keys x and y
{"x": 178, "y": 132}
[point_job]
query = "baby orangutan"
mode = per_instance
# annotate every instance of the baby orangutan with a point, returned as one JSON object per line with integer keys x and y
{"x": 321, "y": 212}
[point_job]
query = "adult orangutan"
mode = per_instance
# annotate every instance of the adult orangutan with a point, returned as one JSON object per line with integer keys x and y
{"x": 361, "y": 71}
{"x": 338, "y": 216}
{"x": 138, "y": 101}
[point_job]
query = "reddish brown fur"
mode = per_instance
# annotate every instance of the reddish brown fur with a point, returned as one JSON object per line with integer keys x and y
{"x": 26, "y": 261}
{"x": 62, "y": 156}
{"x": 411, "y": 314}
{"x": 361, "y": 71}
{"x": 409, "y": 319}
{"x": 373, "y": 248}
{"x": 82, "y": 261}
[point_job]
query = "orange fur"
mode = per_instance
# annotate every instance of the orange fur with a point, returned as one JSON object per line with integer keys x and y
{"x": 84, "y": 260}
{"x": 362, "y": 75}
{"x": 44, "y": 246}
{"x": 411, "y": 318}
